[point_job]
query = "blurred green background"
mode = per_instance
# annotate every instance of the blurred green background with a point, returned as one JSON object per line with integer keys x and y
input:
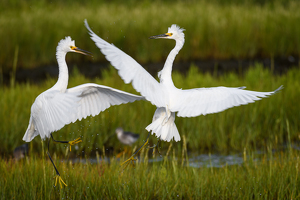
{"x": 215, "y": 30}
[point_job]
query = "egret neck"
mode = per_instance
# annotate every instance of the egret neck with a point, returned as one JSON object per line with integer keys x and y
{"x": 63, "y": 75}
{"x": 165, "y": 74}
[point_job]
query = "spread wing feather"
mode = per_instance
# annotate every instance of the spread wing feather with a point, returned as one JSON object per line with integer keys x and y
{"x": 202, "y": 101}
{"x": 130, "y": 71}
{"x": 52, "y": 109}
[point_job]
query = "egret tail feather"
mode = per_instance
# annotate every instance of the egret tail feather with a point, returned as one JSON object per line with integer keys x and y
{"x": 164, "y": 130}
{"x": 30, "y": 132}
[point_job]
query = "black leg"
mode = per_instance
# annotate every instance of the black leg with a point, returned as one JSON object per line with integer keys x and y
{"x": 57, "y": 177}
{"x": 57, "y": 140}
{"x": 76, "y": 141}
{"x": 132, "y": 157}
{"x": 51, "y": 159}
{"x": 142, "y": 145}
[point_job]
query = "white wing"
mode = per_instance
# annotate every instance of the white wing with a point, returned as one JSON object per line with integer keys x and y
{"x": 202, "y": 101}
{"x": 52, "y": 110}
{"x": 130, "y": 71}
{"x": 95, "y": 98}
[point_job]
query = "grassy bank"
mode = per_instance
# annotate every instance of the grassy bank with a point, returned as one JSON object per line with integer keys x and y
{"x": 269, "y": 123}
{"x": 31, "y": 30}
{"x": 271, "y": 176}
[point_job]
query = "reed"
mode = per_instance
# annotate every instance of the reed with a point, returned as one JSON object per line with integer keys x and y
{"x": 254, "y": 126}
{"x": 213, "y": 29}
{"x": 269, "y": 176}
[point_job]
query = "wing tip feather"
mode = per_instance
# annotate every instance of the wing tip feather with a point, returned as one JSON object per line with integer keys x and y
{"x": 278, "y": 89}
{"x": 88, "y": 27}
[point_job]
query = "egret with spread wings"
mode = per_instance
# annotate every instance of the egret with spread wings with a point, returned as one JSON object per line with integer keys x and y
{"x": 165, "y": 96}
{"x": 58, "y": 106}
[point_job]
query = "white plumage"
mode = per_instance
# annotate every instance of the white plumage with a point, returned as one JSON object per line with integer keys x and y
{"x": 58, "y": 106}
{"x": 164, "y": 95}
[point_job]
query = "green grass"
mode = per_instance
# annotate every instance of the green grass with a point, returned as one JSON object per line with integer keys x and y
{"x": 213, "y": 29}
{"x": 30, "y": 31}
{"x": 269, "y": 123}
{"x": 270, "y": 176}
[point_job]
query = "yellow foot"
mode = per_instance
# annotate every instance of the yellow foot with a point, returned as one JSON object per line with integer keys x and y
{"x": 127, "y": 162}
{"x": 76, "y": 141}
{"x": 57, "y": 177}
{"x": 155, "y": 147}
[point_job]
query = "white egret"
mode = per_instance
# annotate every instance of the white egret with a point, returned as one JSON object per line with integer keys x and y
{"x": 58, "y": 106}
{"x": 164, "y": 95}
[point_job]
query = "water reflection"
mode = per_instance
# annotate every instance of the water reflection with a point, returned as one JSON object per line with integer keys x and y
{"x": 196, "y": 161}
{"x": 199, "y": 161}
{"x": 218, "y": 161}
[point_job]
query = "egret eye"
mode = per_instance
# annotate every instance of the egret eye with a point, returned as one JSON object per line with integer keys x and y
{"x": 72, "y": 47}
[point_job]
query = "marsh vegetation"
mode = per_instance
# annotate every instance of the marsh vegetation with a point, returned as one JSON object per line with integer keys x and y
{"x": 216, "y": 29}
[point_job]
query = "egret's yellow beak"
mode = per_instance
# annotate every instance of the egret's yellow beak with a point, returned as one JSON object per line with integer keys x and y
{"x": 84, "y": 52}
{"x": 166, "y": 35}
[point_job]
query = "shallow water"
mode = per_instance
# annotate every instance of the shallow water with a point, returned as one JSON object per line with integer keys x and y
{"x": 217, "y": 161}
{"x": 203, "y": 160}
{"x": 194, "y": 160}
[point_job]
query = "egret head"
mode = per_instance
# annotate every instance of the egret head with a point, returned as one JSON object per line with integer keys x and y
{"x": 174, "y": 32}
{"x": 68, "y": 45}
